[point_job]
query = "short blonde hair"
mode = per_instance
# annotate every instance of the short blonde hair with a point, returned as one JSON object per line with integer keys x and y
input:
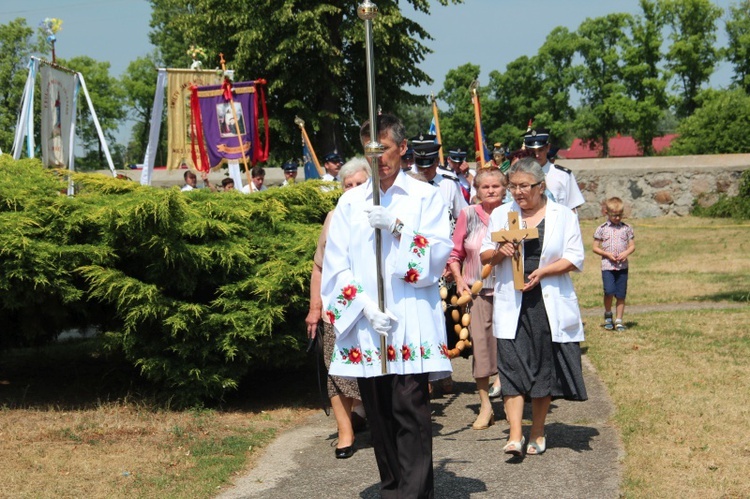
{"x": 614, "y": 204}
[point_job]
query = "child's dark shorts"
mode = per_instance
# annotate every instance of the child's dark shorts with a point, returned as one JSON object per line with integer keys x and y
{"x": 615, "y": 283}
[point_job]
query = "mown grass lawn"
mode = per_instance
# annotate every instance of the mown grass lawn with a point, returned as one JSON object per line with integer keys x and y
{"x": 75, "y": 423}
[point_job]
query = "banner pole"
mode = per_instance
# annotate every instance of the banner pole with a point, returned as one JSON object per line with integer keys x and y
{"x": 477, "y": 122}
{"x": 236, "y": 122}
{"x": 437, "y": 128}
{"x": 367, "y": 11}
{"x": 301, "y": 124}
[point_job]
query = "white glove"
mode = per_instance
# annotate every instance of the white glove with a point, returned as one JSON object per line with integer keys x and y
{"x": 380, "y": 218}
{"x": 381, "y": 321}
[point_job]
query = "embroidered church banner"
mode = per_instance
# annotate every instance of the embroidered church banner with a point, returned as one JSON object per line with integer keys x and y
{"x": 220, "y": 125}
{"x": 58, "y": 114}
{"x": 179, "y": 82}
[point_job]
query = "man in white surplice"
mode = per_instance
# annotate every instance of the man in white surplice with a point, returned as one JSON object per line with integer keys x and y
{"x": 415, "y": 247}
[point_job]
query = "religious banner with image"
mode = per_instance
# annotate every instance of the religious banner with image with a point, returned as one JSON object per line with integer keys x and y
{"x": 179, "y": 83}
{"x": 58, "y": 115}
{"x": 227, "y": 124}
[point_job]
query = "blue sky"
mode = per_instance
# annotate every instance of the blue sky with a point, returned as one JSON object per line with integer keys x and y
{"x": 489, "y": 33}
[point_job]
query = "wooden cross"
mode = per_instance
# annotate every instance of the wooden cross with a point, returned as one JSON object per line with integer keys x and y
{"x": 515, "y": 235}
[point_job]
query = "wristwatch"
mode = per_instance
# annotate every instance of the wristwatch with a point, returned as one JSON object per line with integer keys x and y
{"x": 397, "y": 228}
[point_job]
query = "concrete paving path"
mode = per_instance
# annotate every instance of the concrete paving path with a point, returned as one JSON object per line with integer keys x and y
{"x": 582, "y": 459}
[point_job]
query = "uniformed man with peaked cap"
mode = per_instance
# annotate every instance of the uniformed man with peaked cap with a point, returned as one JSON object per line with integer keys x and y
{"x": 561, "y": 183}
{"x": 465, "y": 176}
{"x": 426, "y": 155}
{"x": 290, "y": 172}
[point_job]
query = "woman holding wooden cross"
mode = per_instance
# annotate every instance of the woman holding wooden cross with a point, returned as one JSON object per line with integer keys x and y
{"x": 533, "y": 244}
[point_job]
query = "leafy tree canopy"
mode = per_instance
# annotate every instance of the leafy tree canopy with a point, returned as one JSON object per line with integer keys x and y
{"x": 738, "y": 50}
{"x": 692, "y": 55}
{"x": 16, "y": 46}
{"x": 718, "y": 126}
{"x": 311, "y": 53}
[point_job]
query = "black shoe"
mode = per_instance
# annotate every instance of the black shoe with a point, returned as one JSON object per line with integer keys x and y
{"x": 358, "y": 423}
{"x": 344, "y": 452}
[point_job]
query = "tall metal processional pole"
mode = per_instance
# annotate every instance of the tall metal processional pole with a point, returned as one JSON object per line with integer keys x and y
{"x": 367, "y": 11}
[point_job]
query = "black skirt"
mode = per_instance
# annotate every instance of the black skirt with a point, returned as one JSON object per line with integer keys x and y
{"x": 531, "y": 364}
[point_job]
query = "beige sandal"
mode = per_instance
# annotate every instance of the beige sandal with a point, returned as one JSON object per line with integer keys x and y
{"x": 483, "y": 426}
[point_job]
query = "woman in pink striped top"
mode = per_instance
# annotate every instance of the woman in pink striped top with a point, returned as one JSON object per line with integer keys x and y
{"x": 466, "y": 267}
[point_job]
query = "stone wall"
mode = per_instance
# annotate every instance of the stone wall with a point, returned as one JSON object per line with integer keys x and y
{"x": 650, "y": 187}
{"x": 657, "y": 186}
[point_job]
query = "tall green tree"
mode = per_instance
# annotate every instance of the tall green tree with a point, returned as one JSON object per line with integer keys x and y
{"x": 108, "y": 99}
{"x": 516, "y": 93}
{"x": 606, "y": 108}
{"x": 692, "y": 55}
{"x": 457, "y": 122}
{"x": 718, "y": 126}
{"x": 643, "y": 78}
{"x": 557, "y": 74}
{"x": 16, "y": 46}
{"x": 738, "y": 46}
{"x": 311, "y": 52}
{"x": 537, "y": 88}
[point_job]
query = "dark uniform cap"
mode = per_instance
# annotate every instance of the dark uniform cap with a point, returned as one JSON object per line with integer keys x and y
{"x": 332, "y": 157}
{"x": 422, "y": 139}
{"x": 425, "y": 155}
{"x": 457, "y": 155}
{"x": 409, "y": 154}
{"x": 536, "y": 139}
{"x": 290, "y": 166}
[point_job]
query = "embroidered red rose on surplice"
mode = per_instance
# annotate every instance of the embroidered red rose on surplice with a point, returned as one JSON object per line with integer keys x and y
{"x": 391, "y": 355}
{"x": 349, "y": 292}
{"x": 418, "y": 245}
{"x": 331, "y": 316}
{"x": 412, "y": 275}
{"x": 405, "y": 352}
{"x": 355, "y": 355}
{"x": 420, "y": 241}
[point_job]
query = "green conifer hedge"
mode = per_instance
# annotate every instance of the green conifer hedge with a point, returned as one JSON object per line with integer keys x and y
{"x": 195, "y": 288}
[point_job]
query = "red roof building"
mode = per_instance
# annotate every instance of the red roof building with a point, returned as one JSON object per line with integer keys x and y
{"x": 619, "y": 147}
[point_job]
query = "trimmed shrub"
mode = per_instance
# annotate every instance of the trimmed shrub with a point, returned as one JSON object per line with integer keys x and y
{"x": 195, "y": 288}
{"x": 737, "y": 207}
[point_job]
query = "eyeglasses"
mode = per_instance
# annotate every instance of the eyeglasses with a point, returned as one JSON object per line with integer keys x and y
{"x": 522, "y": 187}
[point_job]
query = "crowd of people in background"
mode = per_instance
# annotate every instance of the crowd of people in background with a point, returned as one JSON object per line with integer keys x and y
{"x": 332, "y": 163}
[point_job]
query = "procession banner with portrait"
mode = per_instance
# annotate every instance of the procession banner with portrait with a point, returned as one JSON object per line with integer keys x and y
{"x": 179, "y": 83}
{"x": 58, "y": 101}
{"x": 227, "y": 123}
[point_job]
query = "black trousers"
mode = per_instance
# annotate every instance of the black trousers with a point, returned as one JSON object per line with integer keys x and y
{"x": 398, "y": 412}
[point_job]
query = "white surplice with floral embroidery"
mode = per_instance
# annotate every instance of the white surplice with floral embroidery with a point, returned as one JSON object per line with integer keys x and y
{"x": 411, "y": 269}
